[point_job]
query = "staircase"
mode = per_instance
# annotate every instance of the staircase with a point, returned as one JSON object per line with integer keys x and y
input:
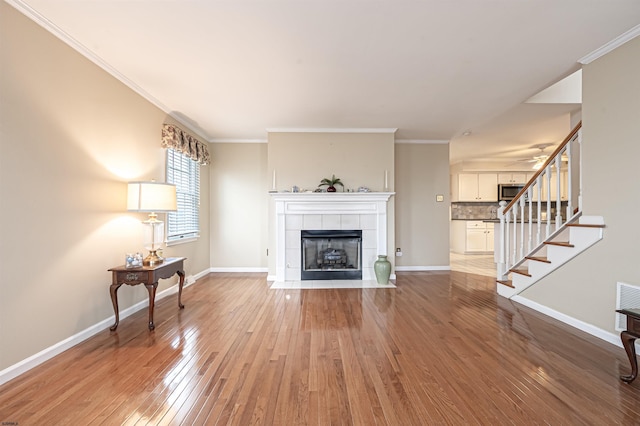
{"x": 540, "y": 229}
{"x": 571, "y": 240}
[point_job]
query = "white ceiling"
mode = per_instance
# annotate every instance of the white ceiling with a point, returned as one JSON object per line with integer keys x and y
{"x": 433, "y": 69}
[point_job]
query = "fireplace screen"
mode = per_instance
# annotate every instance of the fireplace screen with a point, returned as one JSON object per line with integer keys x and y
{"x": 328, "y": 255}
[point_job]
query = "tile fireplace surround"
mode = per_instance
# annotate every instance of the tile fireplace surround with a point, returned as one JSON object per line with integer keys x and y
{"x": 294, "y": 212}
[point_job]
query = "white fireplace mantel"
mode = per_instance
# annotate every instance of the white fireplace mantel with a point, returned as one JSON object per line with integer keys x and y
{"x": 366, "y": 211}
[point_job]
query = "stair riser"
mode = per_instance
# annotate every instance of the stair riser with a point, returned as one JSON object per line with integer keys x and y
{"x": 581, "y": 238}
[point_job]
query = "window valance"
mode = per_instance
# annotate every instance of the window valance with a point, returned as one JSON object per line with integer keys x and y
{"x": 177, "y": 139}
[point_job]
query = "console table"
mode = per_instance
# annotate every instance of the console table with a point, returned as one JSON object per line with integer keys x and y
{"x": 149, "y": 276}
{"x": 628, "y": 338}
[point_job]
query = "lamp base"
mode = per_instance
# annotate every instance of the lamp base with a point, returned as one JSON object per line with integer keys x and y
{"x": 153, "y": 259}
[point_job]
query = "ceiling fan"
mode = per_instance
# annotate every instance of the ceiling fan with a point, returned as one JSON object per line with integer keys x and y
{"x": 541, "y": 159}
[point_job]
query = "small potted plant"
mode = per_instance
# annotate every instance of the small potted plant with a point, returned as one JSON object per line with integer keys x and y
{"x": 331, "y": 183}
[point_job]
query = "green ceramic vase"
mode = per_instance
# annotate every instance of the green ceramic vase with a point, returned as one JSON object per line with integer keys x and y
{"x": 382, "y": 269}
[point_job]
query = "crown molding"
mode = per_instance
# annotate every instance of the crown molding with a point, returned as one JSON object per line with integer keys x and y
{"x": 56, "y": 31}
{"x": 329, "y": 130}
{"x": 423, "y": 141}
{"x": 610, "y": 46}
{"x": 237, "y": 140}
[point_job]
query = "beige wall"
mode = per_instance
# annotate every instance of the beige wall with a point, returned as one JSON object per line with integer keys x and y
{"x": 358, "y": 159}
{"x": 586, "y": 287}
{"x": 241, "y": 175}
{"x": 239, "y": 219}
{"x": 422, "y": 223}
{"x": 304, "y": 159}
{"x": 72, "y": 136}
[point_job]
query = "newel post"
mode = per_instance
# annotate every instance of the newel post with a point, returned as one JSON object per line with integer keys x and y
{"x": 502, "y": 249}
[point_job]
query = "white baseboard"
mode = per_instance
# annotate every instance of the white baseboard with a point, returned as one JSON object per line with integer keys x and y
{"x": 422, "y": 268}
{"x": 27, "y": 364}
{"x": 239, "y": 269}
{"x": 612, "y": 338}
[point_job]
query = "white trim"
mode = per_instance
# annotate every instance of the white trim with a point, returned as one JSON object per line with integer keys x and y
{"x": 46, "y": 354}
{"x": 612, "y": 338}
{"x": 178, "y": 241}
{"x": 233, "y": 140}
{"x": 329, "y": 130}
{"x": 199, "y": 275}
{"x": 240, "y": 269}
{"x": 39, "y": 19}
{"x": 610, "y": 46}
{"x": 422, "y": 268}
{"x": 424, "y": 141}
{"x": 330, "y": 197}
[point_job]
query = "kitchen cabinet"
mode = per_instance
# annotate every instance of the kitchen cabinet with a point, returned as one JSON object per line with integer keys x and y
{"x": 479, "y": 236}
{"x": 512, "y": 178}
{"x": 564, "y": 183}
{"x": 472, "y": 236}
{"x": 477, "y": 187}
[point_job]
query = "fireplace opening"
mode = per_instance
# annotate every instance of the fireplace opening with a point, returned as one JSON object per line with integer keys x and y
{"x": 331, "y": 255}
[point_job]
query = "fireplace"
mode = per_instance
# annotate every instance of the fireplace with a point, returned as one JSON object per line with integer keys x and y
{"x": 331, "y": 254}
{"x": 295, "y": 212}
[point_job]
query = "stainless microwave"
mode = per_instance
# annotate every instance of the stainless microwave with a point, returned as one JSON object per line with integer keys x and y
{"x": 508, "y": 192}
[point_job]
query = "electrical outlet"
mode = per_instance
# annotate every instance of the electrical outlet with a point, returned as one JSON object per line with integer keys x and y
{"x": 398, "y": 252}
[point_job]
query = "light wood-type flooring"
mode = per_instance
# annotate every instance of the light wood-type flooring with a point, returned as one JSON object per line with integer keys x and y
{"x": 440, "y": 349}
{"x": 481, "y": 264}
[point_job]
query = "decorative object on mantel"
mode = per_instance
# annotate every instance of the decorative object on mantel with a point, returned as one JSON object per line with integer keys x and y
{"x": 177, "y": 139}
{"x": 382, "y": 269}
{"x": 363, "y": 189}
{"x": 331, "y": 183}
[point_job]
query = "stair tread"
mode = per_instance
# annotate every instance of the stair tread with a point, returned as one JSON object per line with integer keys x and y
{"x": 538, "y": 259}
{"x": 586, "y": 225}
{"x": 508, "y": 283}
{"x": 521, "y": 272}
{"x": 559, "y": 243}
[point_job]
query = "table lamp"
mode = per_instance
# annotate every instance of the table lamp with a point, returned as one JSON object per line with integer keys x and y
{"x": 154, "y": 198}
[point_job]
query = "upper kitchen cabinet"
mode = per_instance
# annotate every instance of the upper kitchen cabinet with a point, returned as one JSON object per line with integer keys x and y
{"x": 512, "y": 178}
{"x": 475, "y": 187}
{"x": 564, "y": 184}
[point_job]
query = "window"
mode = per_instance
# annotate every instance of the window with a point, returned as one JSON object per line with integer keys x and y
{"x": 185, "y": 174}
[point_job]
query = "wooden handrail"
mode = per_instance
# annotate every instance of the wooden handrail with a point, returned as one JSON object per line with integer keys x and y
{"x": 544, "y": 166}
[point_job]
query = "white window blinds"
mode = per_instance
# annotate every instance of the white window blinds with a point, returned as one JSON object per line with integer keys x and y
{"x": 185, "y": 174}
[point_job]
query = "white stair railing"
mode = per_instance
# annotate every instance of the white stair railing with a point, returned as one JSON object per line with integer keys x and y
{"x": 545, "y": 203}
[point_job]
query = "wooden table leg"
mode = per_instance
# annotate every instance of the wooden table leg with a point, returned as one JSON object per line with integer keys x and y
{"x": 151, "y": 288}
{"x": 114, "y": 301}
{"x": 629, "y": 346}
{"x": 181, "y": 275}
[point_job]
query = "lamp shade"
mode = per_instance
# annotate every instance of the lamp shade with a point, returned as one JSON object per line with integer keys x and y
{"x": 151, "y": 197}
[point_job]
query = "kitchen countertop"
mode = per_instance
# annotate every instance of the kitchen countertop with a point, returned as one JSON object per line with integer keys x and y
{"x": 475, "y": 219}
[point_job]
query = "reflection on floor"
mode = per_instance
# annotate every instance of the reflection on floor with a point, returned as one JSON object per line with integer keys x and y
{"x": 325, "y": 284}
{"x": 481, "y": 264}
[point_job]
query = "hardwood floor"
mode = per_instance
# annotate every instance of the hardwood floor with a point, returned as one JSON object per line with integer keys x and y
{"x": 441, "y": 348}
{"x": 481, "y": 264}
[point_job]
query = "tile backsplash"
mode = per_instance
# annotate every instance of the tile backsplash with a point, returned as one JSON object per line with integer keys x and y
{"x": 474, "y": 211}
{"x": 487, "y": 211}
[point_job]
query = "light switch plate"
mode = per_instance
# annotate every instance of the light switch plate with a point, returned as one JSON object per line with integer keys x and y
{"x": 439, "y": 198}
